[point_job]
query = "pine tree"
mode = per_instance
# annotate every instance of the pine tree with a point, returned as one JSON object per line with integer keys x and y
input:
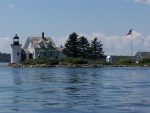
{"x": 72, "y": 46}
{"x": 83, "y": 47}
{"x": 96, "y": 50}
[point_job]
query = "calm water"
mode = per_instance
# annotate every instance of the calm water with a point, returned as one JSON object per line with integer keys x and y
{"x": 74, "y": 90}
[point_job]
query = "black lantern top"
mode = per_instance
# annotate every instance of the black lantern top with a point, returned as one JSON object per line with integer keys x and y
{"x": 16, "y": 40}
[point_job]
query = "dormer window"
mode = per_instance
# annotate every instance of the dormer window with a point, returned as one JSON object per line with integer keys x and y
{"x": 41, "y": 44}
{"x": 49, "y": 44}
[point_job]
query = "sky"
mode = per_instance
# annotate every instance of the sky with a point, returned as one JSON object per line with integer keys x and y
{"x": 108, "y": 20}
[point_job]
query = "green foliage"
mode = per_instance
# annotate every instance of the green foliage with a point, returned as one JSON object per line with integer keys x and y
{"x": 83, "y": 47}
{"x": 96, "y": 50}
{"x": 106, "y": 63}
{"x": 101, "y": 63}
{"x": 80, "y": 48}
{"x": 48, "y": 61}
{"x": 72, "y": 46}
{"x": 144, "y": 61}
{"x": 74, "y": 60}
{"x": 54, "y": 61}
{"x": 124, "y": 61}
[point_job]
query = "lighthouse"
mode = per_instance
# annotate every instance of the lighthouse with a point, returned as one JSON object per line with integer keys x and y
{"x": 16, "y": 50}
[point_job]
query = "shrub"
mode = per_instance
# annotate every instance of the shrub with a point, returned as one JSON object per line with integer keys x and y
{"x": 49, "y": 61}
{"x": 106, "y": 63}
{"x": 74, "y": 60}
{"x": 54, "y": 61}
{"x": 144, "y": 61}
{"x": 124, "y": 61}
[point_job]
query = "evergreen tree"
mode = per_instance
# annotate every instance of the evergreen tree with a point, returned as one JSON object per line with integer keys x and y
{"x": 72, "y": 46}
{"x": 96, "y": 50}
{"x": 83, "y": 47}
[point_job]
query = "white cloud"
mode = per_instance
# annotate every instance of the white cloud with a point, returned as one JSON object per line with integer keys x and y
{"x": 61, "y": 40}
{"x": 116, "y": 45}
{"x": 11, "y": 6}
{"x": 142, "y": 1}
{"x": 5, "y": 45}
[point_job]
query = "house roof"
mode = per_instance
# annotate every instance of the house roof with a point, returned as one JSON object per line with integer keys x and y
{"x": 143, "y": 54}
{"x": 40, "y": 42}
{"x": 108, "y": 56}
{"x": 25, "y": 51}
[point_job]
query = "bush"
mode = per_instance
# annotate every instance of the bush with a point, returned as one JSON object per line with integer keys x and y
{"x": 54, "y": 61}
{"x": 106, "y": 63}
{"x": 124, "y": 61}
{"x": 102, "y": 63}
{"x": 144, "y": 61}
{"x": 48, "y": 61}
{"x": 74, "y": 60}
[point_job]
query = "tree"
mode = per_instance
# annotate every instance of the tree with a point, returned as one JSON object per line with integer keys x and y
{"x": 72, "y": 46}
{"x": 83, "y": 47}
{"x": 96, "y": 50}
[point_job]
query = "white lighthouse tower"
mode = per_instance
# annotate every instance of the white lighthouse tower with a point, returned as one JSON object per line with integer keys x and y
{"x": 16, "y": 50}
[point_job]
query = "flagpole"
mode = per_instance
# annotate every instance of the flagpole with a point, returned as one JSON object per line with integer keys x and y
{"x": 130, "y": 33}
{"x": 131, "y": 47}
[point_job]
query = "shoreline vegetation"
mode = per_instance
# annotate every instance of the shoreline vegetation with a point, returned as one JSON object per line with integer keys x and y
{"x": 77, "y": 63}
{"x": 72, "y": 65}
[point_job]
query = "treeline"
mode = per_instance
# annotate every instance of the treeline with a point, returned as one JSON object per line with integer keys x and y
{"x": 79, "y": 47}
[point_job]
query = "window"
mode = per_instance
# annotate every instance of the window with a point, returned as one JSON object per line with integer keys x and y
{"x": 44, "y": 53}
{"x": 41, "y": 44}
{"x": 18, "y": 54}
{"x": 51, "y": 53}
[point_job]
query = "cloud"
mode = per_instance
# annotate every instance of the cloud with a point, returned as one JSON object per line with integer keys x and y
{"x": 142, "y": 1}
{"x": 115, "y": 45}
{"x": 11, "y": 6}
{"x": 5, "y": 45}
{"x": 60, "y": 40}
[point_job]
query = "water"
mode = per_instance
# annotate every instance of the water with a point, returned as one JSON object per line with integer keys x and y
{"x": 75, "y": 90}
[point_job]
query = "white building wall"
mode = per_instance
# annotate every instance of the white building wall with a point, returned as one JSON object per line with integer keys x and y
{"x": 27, "y": 56}
{"x": 51, "y": 54}
{"x": 36, "y": 54}
{"x": 16, "y": 54}
{"x": 32, "y": 50}
{"x": 109, "y": 59}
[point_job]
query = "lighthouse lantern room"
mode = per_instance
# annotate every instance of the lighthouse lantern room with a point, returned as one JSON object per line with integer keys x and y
{"x": 16, "y": 50}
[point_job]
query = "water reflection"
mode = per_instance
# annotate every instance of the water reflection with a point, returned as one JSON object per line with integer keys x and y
{"x": 49, "y": 88}
{"x": 73, "y": 76}
{"x": 16, "y": 76}
{"x": 17, "y": 80}
{"x": 37, "y": 90}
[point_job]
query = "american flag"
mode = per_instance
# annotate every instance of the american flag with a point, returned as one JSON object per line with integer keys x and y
{"x": 129, "y": 33}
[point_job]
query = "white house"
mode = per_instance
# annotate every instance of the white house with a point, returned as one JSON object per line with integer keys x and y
{"x": 41, "y": 47}
{"x": 36, "y": 47}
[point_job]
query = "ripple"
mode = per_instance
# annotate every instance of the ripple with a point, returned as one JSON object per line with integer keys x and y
{"x": 62, "y": 90}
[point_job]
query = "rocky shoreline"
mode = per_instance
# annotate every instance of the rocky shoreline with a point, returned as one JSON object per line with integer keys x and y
{"x": 72, "y": 65}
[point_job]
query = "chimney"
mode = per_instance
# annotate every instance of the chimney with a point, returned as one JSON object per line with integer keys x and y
{"x": 42, "y": 34}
